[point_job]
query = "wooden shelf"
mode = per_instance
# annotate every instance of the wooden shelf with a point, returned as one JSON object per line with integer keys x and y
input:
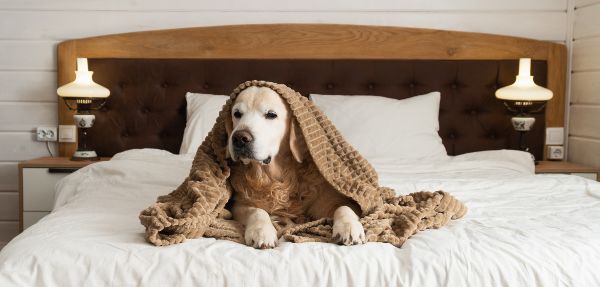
{"x": 58, "y": 162}
{"x": 563, "y": 167}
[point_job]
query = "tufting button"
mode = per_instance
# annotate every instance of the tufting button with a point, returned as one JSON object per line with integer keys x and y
{"x": 206, "y": 86}
{"x": 492, "y": 135}
{"x": 411, "y": 85}
{"x": 473, "y": 112}
{"x": 164, "y": 85}
{"x": 123, "y": 85}
{"x": 454, "y": 85}
{"x": 145, "y": 110}
{"x": 371, "y": 86}
{"x": 329, "y": 86}
{"x": 124, "y": 134}
{"x": 451, "y": 135}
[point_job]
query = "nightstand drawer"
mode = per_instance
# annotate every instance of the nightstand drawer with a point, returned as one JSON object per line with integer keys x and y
{"x": 31, "y": 217}
{"x": 38, "y": 188}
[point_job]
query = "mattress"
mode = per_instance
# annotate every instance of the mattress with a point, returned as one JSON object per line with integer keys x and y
{"x": 521, "y": 230}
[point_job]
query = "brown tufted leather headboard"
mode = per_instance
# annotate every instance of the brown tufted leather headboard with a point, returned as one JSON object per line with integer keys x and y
{"x": 147, "y": 103}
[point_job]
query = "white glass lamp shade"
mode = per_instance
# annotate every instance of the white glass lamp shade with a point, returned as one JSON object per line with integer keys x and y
{"x": 524, "y": 89}
{"x": 83, "y": 86}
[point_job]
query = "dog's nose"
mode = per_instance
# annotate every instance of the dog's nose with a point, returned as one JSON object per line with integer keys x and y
{"x": 241, "y": 138}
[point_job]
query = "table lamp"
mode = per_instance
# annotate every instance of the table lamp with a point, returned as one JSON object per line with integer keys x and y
{"x": 524, "y": 98}
{"x": 83, "y": 95}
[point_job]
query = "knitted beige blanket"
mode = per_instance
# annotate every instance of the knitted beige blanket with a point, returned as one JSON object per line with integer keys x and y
{"x": 197, "y": 207}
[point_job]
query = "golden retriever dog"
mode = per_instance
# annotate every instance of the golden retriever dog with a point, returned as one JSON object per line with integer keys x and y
{"x": 274, "y": 178}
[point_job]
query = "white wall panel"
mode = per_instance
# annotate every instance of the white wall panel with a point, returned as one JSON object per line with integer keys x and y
{"x": 274, "y": 5}
{"x": 586, "y": 22}
{"x": 584, "y": 151}
{"x": 17, "y": 146}
{"x": 585, "y": 121}
{"x": 9, "y": 206}
{"x": 545, "y": 25}
{"x": 27, "y": 55}
{"x": 580, "y": 3}
{"x": 26, "y": 116}
{"x": 9, "y": 176}
{"x": 28, "y": 86}
{"x": 584, "y": 115}
{"x": 586, "y": 54}
{"x": 585, "y": 88}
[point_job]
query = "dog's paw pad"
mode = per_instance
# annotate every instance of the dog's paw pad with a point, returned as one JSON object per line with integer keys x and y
{"x": 349, "y": 233}
{"x": 263, "y": 236}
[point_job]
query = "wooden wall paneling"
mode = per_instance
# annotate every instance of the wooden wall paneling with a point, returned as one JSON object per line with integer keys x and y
{"x": 584, "y": 151}
{"x": 26, "y": 116}
{"x": 9, "y": 206}
{"x": 67, "y": 58}
{"x": 585, "y": 121}
{"x": 28, "y": 86}
{"x": 557, "y": 78}
{"x": 586, "y": 22}
{"x": 277, "y": 6}
{"x": 544, "y": 25}
{"x": 17, "y": 146}
{"x": 586, "y": 54}
{"x": 585, "y": 88}
{"x": 8, "y": 176}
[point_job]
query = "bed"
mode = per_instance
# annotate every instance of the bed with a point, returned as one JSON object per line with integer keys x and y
{"x": 521, "y": 229}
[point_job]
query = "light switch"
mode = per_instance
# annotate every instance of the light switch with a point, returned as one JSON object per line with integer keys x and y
{"x": 555, "y": 136}
{"x": 67, "y": 133}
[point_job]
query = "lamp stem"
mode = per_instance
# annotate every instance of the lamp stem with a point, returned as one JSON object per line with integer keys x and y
{"x": 522, "y": 141}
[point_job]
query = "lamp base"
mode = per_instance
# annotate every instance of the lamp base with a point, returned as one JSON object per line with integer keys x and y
{"x": 81, "y": 155}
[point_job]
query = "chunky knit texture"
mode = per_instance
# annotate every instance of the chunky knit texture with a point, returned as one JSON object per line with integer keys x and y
{"x": 197, "y": 207}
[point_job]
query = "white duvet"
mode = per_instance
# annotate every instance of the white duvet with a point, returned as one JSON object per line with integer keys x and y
{"x": 521, "y": 230}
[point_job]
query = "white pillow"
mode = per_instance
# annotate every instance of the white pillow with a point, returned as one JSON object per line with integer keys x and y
{"x": 381, "y": 127}
{"x": 202, "y": 113}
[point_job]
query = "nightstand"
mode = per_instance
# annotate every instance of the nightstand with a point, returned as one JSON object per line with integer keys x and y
{"x": 37, "y": 179}
{"x": 567, "y": 168}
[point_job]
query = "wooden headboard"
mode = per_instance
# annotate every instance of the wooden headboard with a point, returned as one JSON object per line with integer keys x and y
{"x": 182, "y": 60}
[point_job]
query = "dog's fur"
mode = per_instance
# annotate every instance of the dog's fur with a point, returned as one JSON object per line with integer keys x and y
{"x": 274, "y": 177}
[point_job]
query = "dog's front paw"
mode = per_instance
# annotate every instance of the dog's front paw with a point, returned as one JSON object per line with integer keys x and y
{"x": 261, "y": 236}
{"x": 348, "y": 232}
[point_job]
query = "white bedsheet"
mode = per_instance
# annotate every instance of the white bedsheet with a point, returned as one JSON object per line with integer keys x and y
{"x": 521, "y": 230}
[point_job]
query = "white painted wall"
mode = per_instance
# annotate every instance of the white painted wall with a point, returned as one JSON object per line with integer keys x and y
{"x": 30, "y": 30}
{"x": 584, "y": 125}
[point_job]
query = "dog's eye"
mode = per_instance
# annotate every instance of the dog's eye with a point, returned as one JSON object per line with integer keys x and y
{"x": 270, "y": 115}
{"x": 237, "y": 114}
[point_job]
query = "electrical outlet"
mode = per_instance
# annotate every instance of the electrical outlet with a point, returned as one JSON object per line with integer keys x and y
{"x": 46, "y": 134}
{"x": 556, "y": 152}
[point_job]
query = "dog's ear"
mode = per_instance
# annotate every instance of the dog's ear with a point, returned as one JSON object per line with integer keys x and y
{"x": 228, "y": 130}
{"x": 297, "y": 142}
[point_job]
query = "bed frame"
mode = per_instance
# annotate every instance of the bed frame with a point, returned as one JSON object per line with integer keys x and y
{"x": 148, "y": 74}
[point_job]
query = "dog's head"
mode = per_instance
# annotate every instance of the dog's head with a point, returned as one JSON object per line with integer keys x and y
{"x": 261, "y": 126}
